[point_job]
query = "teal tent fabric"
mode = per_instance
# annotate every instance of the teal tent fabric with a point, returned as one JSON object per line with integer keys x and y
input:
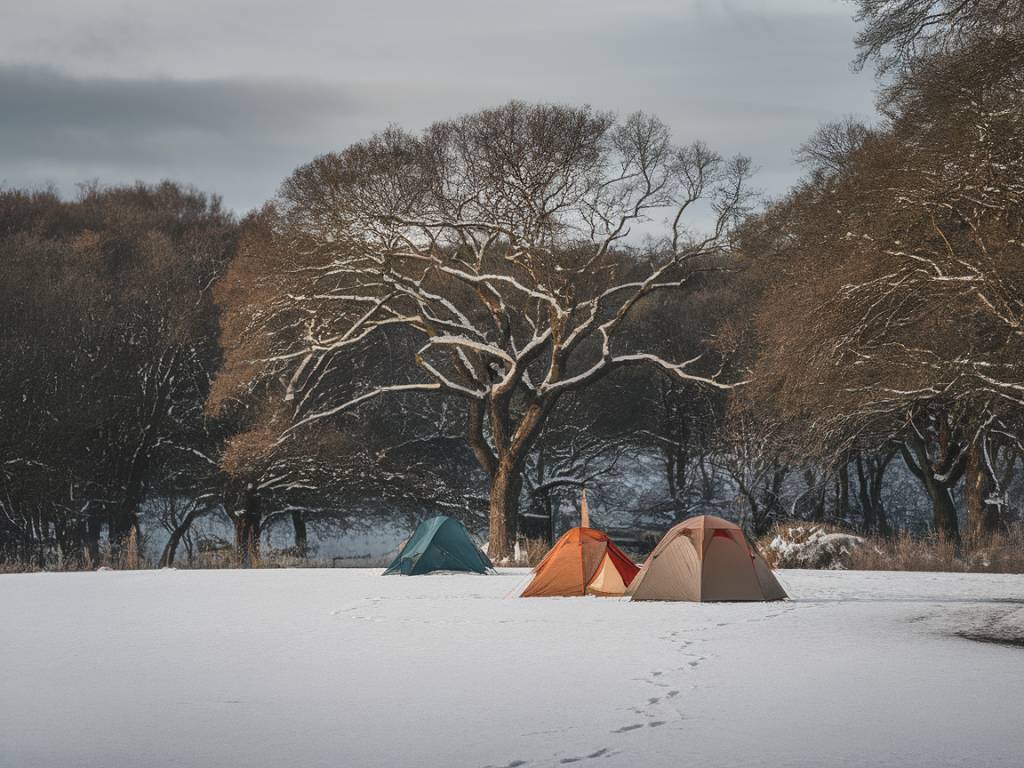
{"x": 439, "y": 544}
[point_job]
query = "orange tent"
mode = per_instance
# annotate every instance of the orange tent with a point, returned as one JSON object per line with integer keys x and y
{"x": 583, "y": 562}
{"x": 705, "y": 559}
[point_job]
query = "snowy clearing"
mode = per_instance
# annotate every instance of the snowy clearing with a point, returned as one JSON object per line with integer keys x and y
{"x": 348, "y": 668}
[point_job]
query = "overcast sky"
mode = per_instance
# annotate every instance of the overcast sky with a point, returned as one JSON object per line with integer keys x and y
{"x": 232, "y": 95}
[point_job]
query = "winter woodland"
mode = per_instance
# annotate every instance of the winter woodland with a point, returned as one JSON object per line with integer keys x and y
{"x": 484, "y": 317}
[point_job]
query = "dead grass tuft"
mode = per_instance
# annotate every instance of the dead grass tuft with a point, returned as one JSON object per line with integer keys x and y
{"x": 534, "y": 551}
{"x": 996, "y": 553}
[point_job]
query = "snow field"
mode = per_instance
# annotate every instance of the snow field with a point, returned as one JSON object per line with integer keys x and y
{"x": 347, "y": 668}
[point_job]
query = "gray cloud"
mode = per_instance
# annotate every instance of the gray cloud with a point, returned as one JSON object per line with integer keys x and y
{"x": 232, "y": 95}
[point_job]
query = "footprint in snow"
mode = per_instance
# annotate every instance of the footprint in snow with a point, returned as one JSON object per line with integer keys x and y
{"x": 599, "y": 753}
{"x": 627, "y": 728}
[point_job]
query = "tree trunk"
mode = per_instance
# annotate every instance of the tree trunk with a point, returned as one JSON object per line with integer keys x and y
{"x": 870, "y": 478}
{"x": 301, "y": 536}
{"x": 171, "y": 548}
{"x": 943, "y": 508}
{"x": 512, "y": 447}
{"x": 124, "y": 523}
{"x": 946, "y": 521}
{"x": 843, "y": 497}
{"x": 670, "y": 477}
{"x": 882, "y": 520}
{"x": 677, "y": 461}
{"x": 771, "y": 502}
{"x": 816, "y": 495}
{"x": 549, "y": 509}
{"x": 981, "y": 492}
{"x": 868, "y": 510}
{"x": 247, "y": 528}
{"x": 504, "y": 511}
{"x": 91, "y": 538}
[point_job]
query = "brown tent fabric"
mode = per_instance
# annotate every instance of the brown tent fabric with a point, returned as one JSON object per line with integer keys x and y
{"x": 705, "y": 559}
{"x": 583, "y": 562}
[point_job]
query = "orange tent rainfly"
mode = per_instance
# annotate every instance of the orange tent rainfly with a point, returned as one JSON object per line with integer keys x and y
{"x": 583, "y": 562}
{"x": 705, "y": 559}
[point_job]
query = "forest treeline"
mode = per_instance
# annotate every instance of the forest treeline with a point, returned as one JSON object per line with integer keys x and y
{"x": 483, "y": 318}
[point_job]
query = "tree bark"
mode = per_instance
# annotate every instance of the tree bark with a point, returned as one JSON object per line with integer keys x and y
{"x": 843, "y": 499}
{"x": 980, "y": 492}
{"x": 938, "y": 490}
{"x": 301, "y": 536}
{"x": 504, "y": 510}
{"x": 816, "y": 495}
{"x": 512, "y": 447}
{"x": 870, "y": 476}
{"x": 549, "y": 509}
{"x": 171, "y": 548}
{"x": 247, "y": 528}
{"x": 124, "y": 520}
{"x": 945, "y": 512}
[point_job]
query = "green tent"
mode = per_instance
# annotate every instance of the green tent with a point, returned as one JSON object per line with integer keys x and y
{"x": 439, "y": 544}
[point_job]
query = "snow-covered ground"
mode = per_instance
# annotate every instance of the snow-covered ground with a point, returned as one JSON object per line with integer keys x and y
{"x": 348, "y": 668}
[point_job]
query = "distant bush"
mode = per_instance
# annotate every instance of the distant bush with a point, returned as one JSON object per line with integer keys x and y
{"x": 811, "y": 545}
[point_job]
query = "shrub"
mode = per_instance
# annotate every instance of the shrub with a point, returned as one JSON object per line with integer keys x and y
{"x": 810, "y": 545}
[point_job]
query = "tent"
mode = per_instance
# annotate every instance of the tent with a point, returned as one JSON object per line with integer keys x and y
{"x": 583, "y": 562}
{"x": 705, "y": 559}
{"x": 439, "y": 544}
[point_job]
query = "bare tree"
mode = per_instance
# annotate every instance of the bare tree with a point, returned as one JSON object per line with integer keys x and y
{"x": 910, "y": 331}
{"x": 751, "y": 454}
{"x": 833, "y": 145}
{"x": 498, "y": 241}
{"x": 898, "y": 33}
{"x": 110, "y": 345}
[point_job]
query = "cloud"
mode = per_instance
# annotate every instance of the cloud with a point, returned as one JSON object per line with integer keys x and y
{"x": 237, "y": 137}
{"x": 232, "y": 95}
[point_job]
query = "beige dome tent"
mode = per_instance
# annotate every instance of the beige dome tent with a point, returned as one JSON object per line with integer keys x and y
{"x": 705, "y": 559}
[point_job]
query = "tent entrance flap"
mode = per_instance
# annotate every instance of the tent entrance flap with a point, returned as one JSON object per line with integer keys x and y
{"x": 607, "y": 580}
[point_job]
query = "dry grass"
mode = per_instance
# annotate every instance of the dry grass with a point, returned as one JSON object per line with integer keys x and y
{"x": 997, "y": 553}
{"x": 534, "y": 551}
{"x": 228, "y": 558}
{"x": 132, "y": 560}
{"x": 10, "y": 567}
{"x": 527, "y": 553}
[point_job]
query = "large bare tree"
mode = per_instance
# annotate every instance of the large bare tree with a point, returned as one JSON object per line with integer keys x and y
{"x": 912, "y": 334}
{"x": 499, "y": 241}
